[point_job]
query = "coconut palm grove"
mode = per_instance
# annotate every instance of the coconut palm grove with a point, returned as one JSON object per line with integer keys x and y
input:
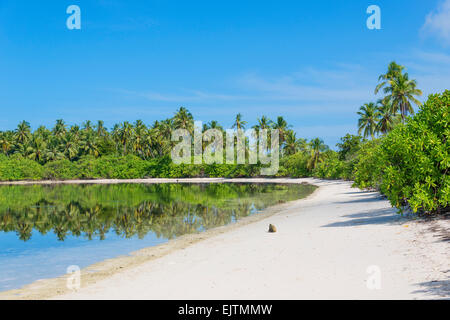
{"x": 403, "y": 154}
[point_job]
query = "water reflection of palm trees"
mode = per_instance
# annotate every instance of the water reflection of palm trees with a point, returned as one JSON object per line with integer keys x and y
{"x": 168, "y": 211}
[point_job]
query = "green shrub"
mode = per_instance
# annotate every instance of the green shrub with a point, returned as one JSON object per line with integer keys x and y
{"x": 60, "y": 170}
{"x": 410, "y": 165}
{"x": 349, "y": 147}
{"x": 295, "y": 166}
{"x": 418, "y": 159}
{"x": 119, "y": 167}
{"x": 331, "y": 167}
{"x": 86, "y": 168}
{"x": 368, "y": 170}
{"x": 19, "y": 168}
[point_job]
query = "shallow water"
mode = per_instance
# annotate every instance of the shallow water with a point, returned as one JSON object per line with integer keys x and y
{"x": 45, "y": 229}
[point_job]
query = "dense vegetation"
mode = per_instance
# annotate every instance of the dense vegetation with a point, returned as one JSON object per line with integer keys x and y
{"x": 404, "y": 157}
{"x": 410, "y": 165}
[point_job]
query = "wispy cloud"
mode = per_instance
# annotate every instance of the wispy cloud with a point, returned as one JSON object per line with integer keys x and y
{"x": 310, "y": 86}
{"x": 437, "y": 23}
{"x": 185, "y": 96}
{"x": 431, "y": 70}
{"x": 326, "y": 131}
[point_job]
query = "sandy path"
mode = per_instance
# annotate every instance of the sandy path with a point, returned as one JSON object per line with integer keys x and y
{"x": 322, "y": 249}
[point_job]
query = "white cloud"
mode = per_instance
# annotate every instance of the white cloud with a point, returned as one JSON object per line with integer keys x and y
{"x": 308, "y": 85}
{"x": 437, "y": 23}
{"x": 346, "y": 83}
{"x": 431, "y": 70}
{"x": 188, "y": 96}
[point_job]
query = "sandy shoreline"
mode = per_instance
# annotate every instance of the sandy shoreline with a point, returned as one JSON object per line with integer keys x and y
{"x": 322, "y": 249}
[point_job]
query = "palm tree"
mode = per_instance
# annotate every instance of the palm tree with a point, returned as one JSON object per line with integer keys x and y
{"x": 87, "y": 126}
{"x": 161, "y": 136}
{"x": 401, "y": 92}
{"x": 6, "y": 141}
{"x": 263, "y": 123}
{"x": 71, "y": 145}
{"x": 125, "y": 135}
{"x": 60, "y": 128}
{"x": 75, "y": 130}
{"x": 44, "y": 133}
{"x": 139, "y": 137}
{"x": 292, "y": 144}
{"x": 317, "y": 151}
{"x": 183, "y": 119}
{"x": 100, "y": 129}
{"x": 368, "y": 119}
{"x": 239, "y": 124}
{"x": 53, "y": 153}
{"x": 89, "y": 144}
{"x": 37, "y": 149}
{"x": 394, "y": 70}
{"x": 212, "y": 125}
{"x": 23, "y": 132}
{"x": 282, "y": 127}
{"x": 387, "y": 119}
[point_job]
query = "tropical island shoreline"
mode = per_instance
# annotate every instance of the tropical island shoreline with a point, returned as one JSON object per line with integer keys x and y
{"x": 326, "y": 246}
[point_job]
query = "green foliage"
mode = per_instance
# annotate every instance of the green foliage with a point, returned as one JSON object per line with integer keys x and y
{"x": 295, "y": 166}
{"x": 19, "y": 168}
{"x": 124, "y": 167}
{"x": 410, "y": 165}
{"x": 61, "y": 170}
{"x": 368, "y": 170}
{"x": 349, "y": 146}
{"x": 331, "y": 167}
{"x": 418, "y": 158}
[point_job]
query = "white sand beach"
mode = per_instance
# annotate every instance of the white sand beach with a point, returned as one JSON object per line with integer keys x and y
{"x": 324, "y": 248}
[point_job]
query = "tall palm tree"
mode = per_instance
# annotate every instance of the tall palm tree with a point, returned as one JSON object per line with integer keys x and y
{"x": 401, "y": 92}
{"x": 100, "y": 129}
{"x": 239, "y": 124}
{"x": 212, "y": 125}
{"x": 263, "y": 123}
{"x": 183, "y": 119}
{"x": 387, "y": 119}
{"x": 75, "y": 130}
{"x": 71, "y": 146}
{"x": 87, "y": 126}
{"x": 292, "y": 144}
{"x": 139, "y": 137}
{"x": 125, "y": 135}
{"x": 44, "y": 133}
{"x": 6, "y": 141}
{"x": 161, "y": 132}
{"x": 282, "y": 127}
{"x": 23, "y": 132}
{"x": 368, "y": 119}
{"x": 89, "y": 144}
{"x": 394, "y": 70}
{"x": 53, "y": 153}
{"x": 317, "y": 148}
{"x": 37, "y": 149}
{"x": 60, "y": 128}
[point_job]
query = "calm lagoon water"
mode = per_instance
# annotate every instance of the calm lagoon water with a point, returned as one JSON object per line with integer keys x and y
{"x": 45, "y": 229}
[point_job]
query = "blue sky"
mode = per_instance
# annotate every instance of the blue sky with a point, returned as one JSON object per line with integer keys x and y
{"x": 313, "y": 62}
